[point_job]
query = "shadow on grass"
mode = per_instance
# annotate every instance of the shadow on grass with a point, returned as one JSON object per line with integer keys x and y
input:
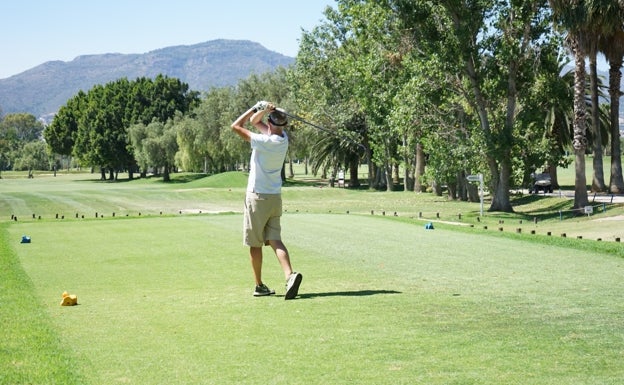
{"x": 175, "y": 179}
{"x": 530, "y": 199}
{"x": 185, "y": 178}
{"x": 303, "y": 183}
{"x": 544, "y": 207}
{"x": 358, "y": 293}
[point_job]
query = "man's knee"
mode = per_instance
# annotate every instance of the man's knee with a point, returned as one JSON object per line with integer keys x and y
{"x": 277, "y": 244}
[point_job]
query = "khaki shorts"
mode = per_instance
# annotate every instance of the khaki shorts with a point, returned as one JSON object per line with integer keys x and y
{"x": 262, "y": 219}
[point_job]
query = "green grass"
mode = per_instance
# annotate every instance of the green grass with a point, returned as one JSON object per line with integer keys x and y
{"x": 33, "y": 350}
{"x": 167, "y": 298}
{"x": 392, "y": 303}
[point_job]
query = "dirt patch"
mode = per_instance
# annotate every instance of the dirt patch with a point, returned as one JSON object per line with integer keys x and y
{"x": 200, "y": 211}
{"x": 615, "y": 218}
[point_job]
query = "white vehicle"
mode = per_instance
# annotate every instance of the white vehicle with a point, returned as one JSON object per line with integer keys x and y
{"x": 541, "y": 182}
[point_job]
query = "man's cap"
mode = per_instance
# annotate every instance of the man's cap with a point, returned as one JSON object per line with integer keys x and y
{"x": 277, "y": 117}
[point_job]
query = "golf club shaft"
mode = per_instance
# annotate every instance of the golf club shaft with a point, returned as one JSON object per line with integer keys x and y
{"x": 293, "y": 116}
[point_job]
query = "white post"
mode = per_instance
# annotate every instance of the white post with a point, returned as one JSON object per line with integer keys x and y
{"x": 479, "y": 178}
{"x": 481, "y": 192}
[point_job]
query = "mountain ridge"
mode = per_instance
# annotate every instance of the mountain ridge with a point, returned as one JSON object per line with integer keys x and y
{"x": 43, "y": 89}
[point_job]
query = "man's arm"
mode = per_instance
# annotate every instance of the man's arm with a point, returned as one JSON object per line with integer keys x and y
{"x": 239, "y": 125}
{"x": 255, "y": 118}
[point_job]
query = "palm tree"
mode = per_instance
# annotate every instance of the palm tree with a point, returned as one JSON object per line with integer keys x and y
{"x": 559, "y": 118}
{"x": 601, "y": 21}
{"x": 613, "y": 47}
{"x": 572, "y": 16}
{"x": 598, "y": 184}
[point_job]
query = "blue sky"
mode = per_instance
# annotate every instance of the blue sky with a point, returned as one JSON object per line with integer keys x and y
{"x": 33, "y": 32}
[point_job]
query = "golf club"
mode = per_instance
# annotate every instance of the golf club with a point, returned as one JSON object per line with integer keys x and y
{"x": 293, "y": 116}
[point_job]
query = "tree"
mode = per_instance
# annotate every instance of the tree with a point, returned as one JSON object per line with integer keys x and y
{"x": 17, "y": 130}
{"x": 598, "y": 183}
{"x": 33, "y": 156}
{"x": 572, "y": 16}
{"x": 101, "y": 139}
{"x": 138, "y": 134}
{"x": 155, "y": 146}
{"x": 93, "y": 126}
{"x": 206, "y": 142}
{"x": 611, "y": 42}
{"x": 547, "y": 116}
{"x": 159, "y": 98}
{"x": 328, "y": 87}
{"x": 614, "y": 55}
{"x": 377, "y": 51}
{"x": 597, "y": 25}
{"x": 492, "y": 47}
{"x": 432, "y": 120}
{"x": 26, "y": 127}
{"x": 60, "y": 134}
{"x": 211, "y": 149}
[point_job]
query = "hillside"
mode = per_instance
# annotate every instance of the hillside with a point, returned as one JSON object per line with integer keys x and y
{"x": 217, "y": 63}
{"x": 43, "y": 89}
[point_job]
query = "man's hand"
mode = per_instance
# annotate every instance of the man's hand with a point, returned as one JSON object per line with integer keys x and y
{"x": 261, "y": 105}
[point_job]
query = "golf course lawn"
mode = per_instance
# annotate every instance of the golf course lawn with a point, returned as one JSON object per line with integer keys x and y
{"x": 167, "y": 300}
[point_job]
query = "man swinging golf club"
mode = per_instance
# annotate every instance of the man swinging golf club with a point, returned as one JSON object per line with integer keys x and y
{"x": 263, "y": 200}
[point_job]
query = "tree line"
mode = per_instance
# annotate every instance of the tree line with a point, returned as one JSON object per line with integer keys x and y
{"x": 434, "y": 90}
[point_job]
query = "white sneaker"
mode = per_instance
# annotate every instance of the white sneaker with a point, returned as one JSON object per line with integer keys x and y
{"x": 292, "y": 285}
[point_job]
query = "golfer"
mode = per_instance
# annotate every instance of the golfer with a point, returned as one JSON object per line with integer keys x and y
{"x": 263, "y": 200}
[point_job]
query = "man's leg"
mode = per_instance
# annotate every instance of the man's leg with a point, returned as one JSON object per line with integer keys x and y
{"x": 255, "y": 254}
{"x": 256, "y": 263}
{"x": 293, "y": 280}
{"x": 282, "y": 255}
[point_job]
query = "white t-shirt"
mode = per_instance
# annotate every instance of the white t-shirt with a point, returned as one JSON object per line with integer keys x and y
{"x": 267, "y": 160}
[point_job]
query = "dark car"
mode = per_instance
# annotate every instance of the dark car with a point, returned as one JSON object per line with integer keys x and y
{"x": 541, "y": 182}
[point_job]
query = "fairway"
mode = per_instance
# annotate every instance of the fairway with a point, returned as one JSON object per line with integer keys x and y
{"x": 167, "y": 300}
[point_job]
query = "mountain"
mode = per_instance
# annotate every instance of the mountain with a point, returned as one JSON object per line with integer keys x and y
{"x": 42, "y": 90}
